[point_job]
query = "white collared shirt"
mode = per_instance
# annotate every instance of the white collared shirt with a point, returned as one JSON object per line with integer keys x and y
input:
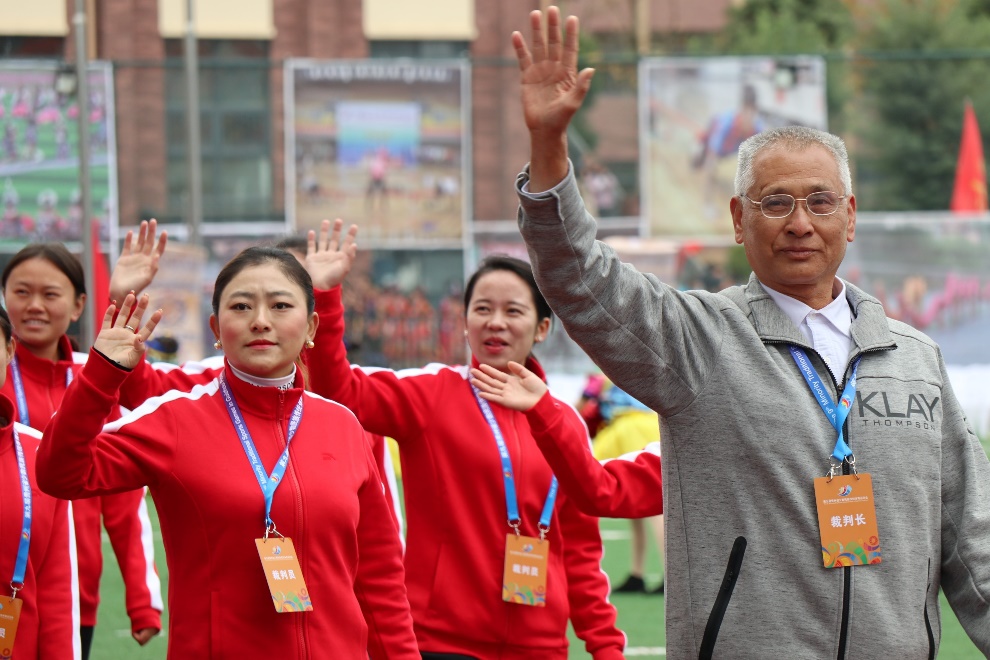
{"x": 827, "y": 329}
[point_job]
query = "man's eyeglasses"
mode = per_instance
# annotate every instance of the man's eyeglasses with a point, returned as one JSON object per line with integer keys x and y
{"x": 781, "y": 206}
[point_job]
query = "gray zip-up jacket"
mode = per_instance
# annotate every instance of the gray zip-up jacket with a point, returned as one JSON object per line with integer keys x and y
{"x": 743, "y": 439}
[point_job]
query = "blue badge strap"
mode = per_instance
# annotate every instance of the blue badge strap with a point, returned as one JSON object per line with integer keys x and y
{"x": 511, "y": 504}
{"x": 23, "y": 415}
{"x": 268, "y": 483}
{"x": 548, "y": 506}
{"x": 22, "y": 407}
{"x": 20, "y": 564}
{"x": 836, "y": 414}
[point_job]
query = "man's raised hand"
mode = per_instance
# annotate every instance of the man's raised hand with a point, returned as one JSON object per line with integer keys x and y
{"x": 552, "y": 91}
{"x": 552, "y": 87}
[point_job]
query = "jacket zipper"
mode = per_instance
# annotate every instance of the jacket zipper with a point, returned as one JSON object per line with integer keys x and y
{"x": 846, "y": 570}
{"x": 280, "y": 433}
{"x": 928, "y": 622}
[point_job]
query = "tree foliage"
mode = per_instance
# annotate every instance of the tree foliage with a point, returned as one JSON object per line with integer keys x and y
{"x": 915, "y": 77}
{"x": 793, "y": 27}
{"x": 772, "y": 27}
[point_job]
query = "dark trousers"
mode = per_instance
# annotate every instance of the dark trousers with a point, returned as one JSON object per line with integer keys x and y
{"x": 86, "y": 636}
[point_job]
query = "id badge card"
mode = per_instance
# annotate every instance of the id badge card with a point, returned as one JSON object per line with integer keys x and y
{"x": 847, "y": 518}
{"x": 10, "y": 616}
{"x": 285, "y": 578}
{"x": 524, "y": 580}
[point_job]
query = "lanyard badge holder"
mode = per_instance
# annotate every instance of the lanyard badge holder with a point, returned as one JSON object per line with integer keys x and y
{"x": 847, "y": 517}
{"x": 524, "y": 577}
{"x": 10, "y": 608}
{"x": 278, "y": 555}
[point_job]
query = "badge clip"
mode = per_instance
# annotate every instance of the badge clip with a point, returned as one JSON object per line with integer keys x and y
{"x": 270, "y": 530}
{"x": 834, "y": 468}
{"x": 851, "y": 460}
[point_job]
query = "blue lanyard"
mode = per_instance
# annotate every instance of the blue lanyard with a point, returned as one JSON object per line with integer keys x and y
{"x": 23, "y": 416}
{"x": 836, "y": 414}
{"x": 20, "y": 564}
{"x": 268, "y": 483}
{"x": 511, "y": 505}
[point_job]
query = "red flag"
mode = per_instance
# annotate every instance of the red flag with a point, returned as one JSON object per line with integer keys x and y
{"x": 970, "y": 192}
{"x": 100, "y": 295}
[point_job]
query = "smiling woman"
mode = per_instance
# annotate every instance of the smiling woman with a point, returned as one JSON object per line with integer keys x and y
{"x": 475, "y": 483}
{"x": 44, "y": 290}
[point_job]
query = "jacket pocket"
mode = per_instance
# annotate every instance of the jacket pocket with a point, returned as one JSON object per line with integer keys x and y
{"x": 722, "y": 600}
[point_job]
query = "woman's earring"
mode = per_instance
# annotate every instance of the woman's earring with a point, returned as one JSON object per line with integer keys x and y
{"x": 217, "y": 345}
{"x": 310, "y": 343}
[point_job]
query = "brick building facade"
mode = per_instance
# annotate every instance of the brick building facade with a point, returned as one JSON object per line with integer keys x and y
{"x": 149, "y": 95}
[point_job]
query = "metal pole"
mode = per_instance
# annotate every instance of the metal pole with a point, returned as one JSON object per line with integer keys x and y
{"x": 193, "y": 145}
{"x": 85, "y": 196}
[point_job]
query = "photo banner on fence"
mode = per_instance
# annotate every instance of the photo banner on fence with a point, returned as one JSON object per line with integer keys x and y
{"x": 694, "y": 113}
{"x": 39, "y": 154}
{"x": 382, "y": 144}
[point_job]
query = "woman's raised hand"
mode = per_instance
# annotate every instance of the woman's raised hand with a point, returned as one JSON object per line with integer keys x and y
{"x": 138, "y": 263}
{"x": 520, "y": 390}
{"x": 122, "y": 337}
{"x": 328, "y": 258}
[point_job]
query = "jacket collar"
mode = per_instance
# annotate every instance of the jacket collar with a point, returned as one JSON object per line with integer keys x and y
{"x": 266, "y": 402}
{"x": 32, "y": 364}
{"x": 870, "y": 330}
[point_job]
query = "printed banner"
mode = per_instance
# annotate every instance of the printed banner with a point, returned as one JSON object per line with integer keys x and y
{"x": 39, "y": 155}
{"x": 694, "y": 113}
{"x": 380, "y": 143}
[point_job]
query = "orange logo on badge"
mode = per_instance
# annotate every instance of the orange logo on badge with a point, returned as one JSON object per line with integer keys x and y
{"x": 276, "y": 550}
{"x": 845, "y": 490}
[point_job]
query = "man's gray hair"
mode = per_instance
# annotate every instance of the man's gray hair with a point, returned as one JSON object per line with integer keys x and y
{"x": 795, "y": 137}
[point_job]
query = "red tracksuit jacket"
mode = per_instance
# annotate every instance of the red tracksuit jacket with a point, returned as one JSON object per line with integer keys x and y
{"x": 330, "y": 502}
{"x": 456, "y": 510}
{"x": 49, "y": 625}
{"x": 125, "y": 515}
{"x": 626, "y": 487}
{"x": 149, "y": 380}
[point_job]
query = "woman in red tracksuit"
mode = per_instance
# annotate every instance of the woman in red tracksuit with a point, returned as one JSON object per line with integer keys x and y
{"x": 625, "y": 487}
{"x": 149, "y": 380}
{"x": 455, "y": 493}
{"x": 44, "y": 290}
{"x": 47, "y": 588}
{"x": 206, "y": 456}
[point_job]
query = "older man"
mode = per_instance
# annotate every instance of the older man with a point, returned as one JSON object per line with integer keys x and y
{"x": 821, "y": 483}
